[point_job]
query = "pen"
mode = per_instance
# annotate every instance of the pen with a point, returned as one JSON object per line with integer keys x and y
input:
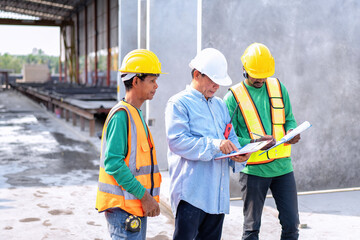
{"x": 257, "y": 134}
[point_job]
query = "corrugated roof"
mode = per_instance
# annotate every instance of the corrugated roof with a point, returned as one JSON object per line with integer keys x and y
{"x": 56, "y": 12}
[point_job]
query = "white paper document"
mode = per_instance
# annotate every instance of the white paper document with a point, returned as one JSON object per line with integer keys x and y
{"x": 299, "y": 129}
{"x": 248, "y": 148}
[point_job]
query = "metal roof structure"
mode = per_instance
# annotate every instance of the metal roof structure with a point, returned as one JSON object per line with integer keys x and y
{"x": 39, "y": 12}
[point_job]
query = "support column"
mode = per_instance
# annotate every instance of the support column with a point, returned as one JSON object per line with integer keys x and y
{"x": 95, "y": 42}
{"x": 77, "y": 75}
{"x": 108, "y": 35}
{"x": 86, "y": 45}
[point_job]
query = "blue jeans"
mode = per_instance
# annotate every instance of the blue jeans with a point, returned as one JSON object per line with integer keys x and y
{"x": 193, "y": 223}
{"x": 116, "y": 225}
{"x": 283, "y": 189}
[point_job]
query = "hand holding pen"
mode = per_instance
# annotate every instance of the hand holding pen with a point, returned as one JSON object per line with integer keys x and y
{"x": 264, "y": 138}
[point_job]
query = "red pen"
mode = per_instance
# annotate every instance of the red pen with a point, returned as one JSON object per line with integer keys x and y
{"x": 229, "y": 125}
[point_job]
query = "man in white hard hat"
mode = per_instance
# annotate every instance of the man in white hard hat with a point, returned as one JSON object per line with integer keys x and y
{"x": 195, "y": 125}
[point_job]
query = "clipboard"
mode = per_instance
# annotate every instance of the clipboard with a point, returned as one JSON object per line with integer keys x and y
{"x": 248, "y": 148}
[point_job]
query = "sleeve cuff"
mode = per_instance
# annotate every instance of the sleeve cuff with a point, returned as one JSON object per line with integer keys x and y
{"x": 141, "y": 193}
{"x": 216, "y": 144}
{"x": 133, "y": 186}
{"x": 289, "y": 130}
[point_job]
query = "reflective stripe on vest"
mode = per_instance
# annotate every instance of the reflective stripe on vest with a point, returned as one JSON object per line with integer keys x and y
{"x": 141, "y": 160}
{"x": 253, "y": 120}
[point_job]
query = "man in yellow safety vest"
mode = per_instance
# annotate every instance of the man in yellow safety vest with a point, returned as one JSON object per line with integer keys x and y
{"x": 129, "y": 177}
{"x": 263, "y": 112}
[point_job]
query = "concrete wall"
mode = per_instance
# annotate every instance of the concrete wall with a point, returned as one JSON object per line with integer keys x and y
{"x": 128, "y": 24}
{"x": 171, "y": 35}
{"x": 316, "y": 50}
{"x": 173, "y": 39}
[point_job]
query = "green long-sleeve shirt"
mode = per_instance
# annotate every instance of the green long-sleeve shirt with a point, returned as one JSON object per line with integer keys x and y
{"x": 260, "y": 97}
{"x": 116, "y": 151}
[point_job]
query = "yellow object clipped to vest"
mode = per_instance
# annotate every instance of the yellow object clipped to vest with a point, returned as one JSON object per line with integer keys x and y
{"x": 254, "y": 124}
{"x": 141, "y": 160}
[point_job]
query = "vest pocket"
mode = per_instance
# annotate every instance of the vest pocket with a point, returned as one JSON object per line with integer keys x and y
{"x": 145, "y": 147}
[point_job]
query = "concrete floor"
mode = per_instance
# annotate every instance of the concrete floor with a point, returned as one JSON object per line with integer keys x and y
{"x": 48, "y": 176}
{"x": 48, "y": 181}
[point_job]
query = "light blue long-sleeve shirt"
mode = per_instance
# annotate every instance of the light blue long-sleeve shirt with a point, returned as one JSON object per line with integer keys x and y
{"x": 194, "y": 128}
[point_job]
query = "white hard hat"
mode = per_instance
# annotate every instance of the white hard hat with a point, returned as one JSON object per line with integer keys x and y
{"x": 212, "y": 63}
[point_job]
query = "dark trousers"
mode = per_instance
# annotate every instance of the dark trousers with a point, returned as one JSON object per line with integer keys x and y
{"x": 283, "y": 189}
{"x": 193, "y": 223}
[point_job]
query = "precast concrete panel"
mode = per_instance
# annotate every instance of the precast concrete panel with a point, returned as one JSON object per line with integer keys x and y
{"x": 90, "y": 45}
{"x": 128, "y": 31}
{"x": 128, "y": 27}
{"x": 316, "y": 49}
{"x": 142, "y": 26}
{"x": 101, "y": 24}
{"x": 90, "y": 28}
{"x": 68, "y": 34}
{"x": 173, "y": 40}
{"x": 114, "y": 19}
{"x": 82, "y": 32}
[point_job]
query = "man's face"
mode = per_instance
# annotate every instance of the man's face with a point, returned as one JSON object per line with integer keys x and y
{"x": 207, "y": 87}
{"x": 147, "y": 88}
{"x": 256, "y": 82}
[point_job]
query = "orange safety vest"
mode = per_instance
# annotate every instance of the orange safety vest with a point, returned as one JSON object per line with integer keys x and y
{"x": 141, "y": 160}
{"x": 254, "y": 123}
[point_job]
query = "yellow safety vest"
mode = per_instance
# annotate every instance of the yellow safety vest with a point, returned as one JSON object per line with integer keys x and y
{"x": 141, "y": 160}
{"x": 254, "y": 123}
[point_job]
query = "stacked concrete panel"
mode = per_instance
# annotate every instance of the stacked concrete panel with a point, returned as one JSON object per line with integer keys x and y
{"x": 35, "y": 73}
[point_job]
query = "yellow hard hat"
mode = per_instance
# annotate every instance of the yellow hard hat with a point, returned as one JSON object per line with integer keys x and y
{"x": 141, "y": 61}
{"x": 258, "y": 61}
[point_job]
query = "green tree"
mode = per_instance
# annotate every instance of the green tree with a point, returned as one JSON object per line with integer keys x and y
{"x": 16, "y": 62}
{"x": 8, "y": 61}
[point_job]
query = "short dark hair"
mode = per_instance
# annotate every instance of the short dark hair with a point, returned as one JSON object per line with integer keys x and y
{"x": 128, "y": 83}
{"x": 192, "y": 73}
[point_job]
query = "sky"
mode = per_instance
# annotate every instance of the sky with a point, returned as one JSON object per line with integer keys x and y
{"x": 21, "y": 40}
